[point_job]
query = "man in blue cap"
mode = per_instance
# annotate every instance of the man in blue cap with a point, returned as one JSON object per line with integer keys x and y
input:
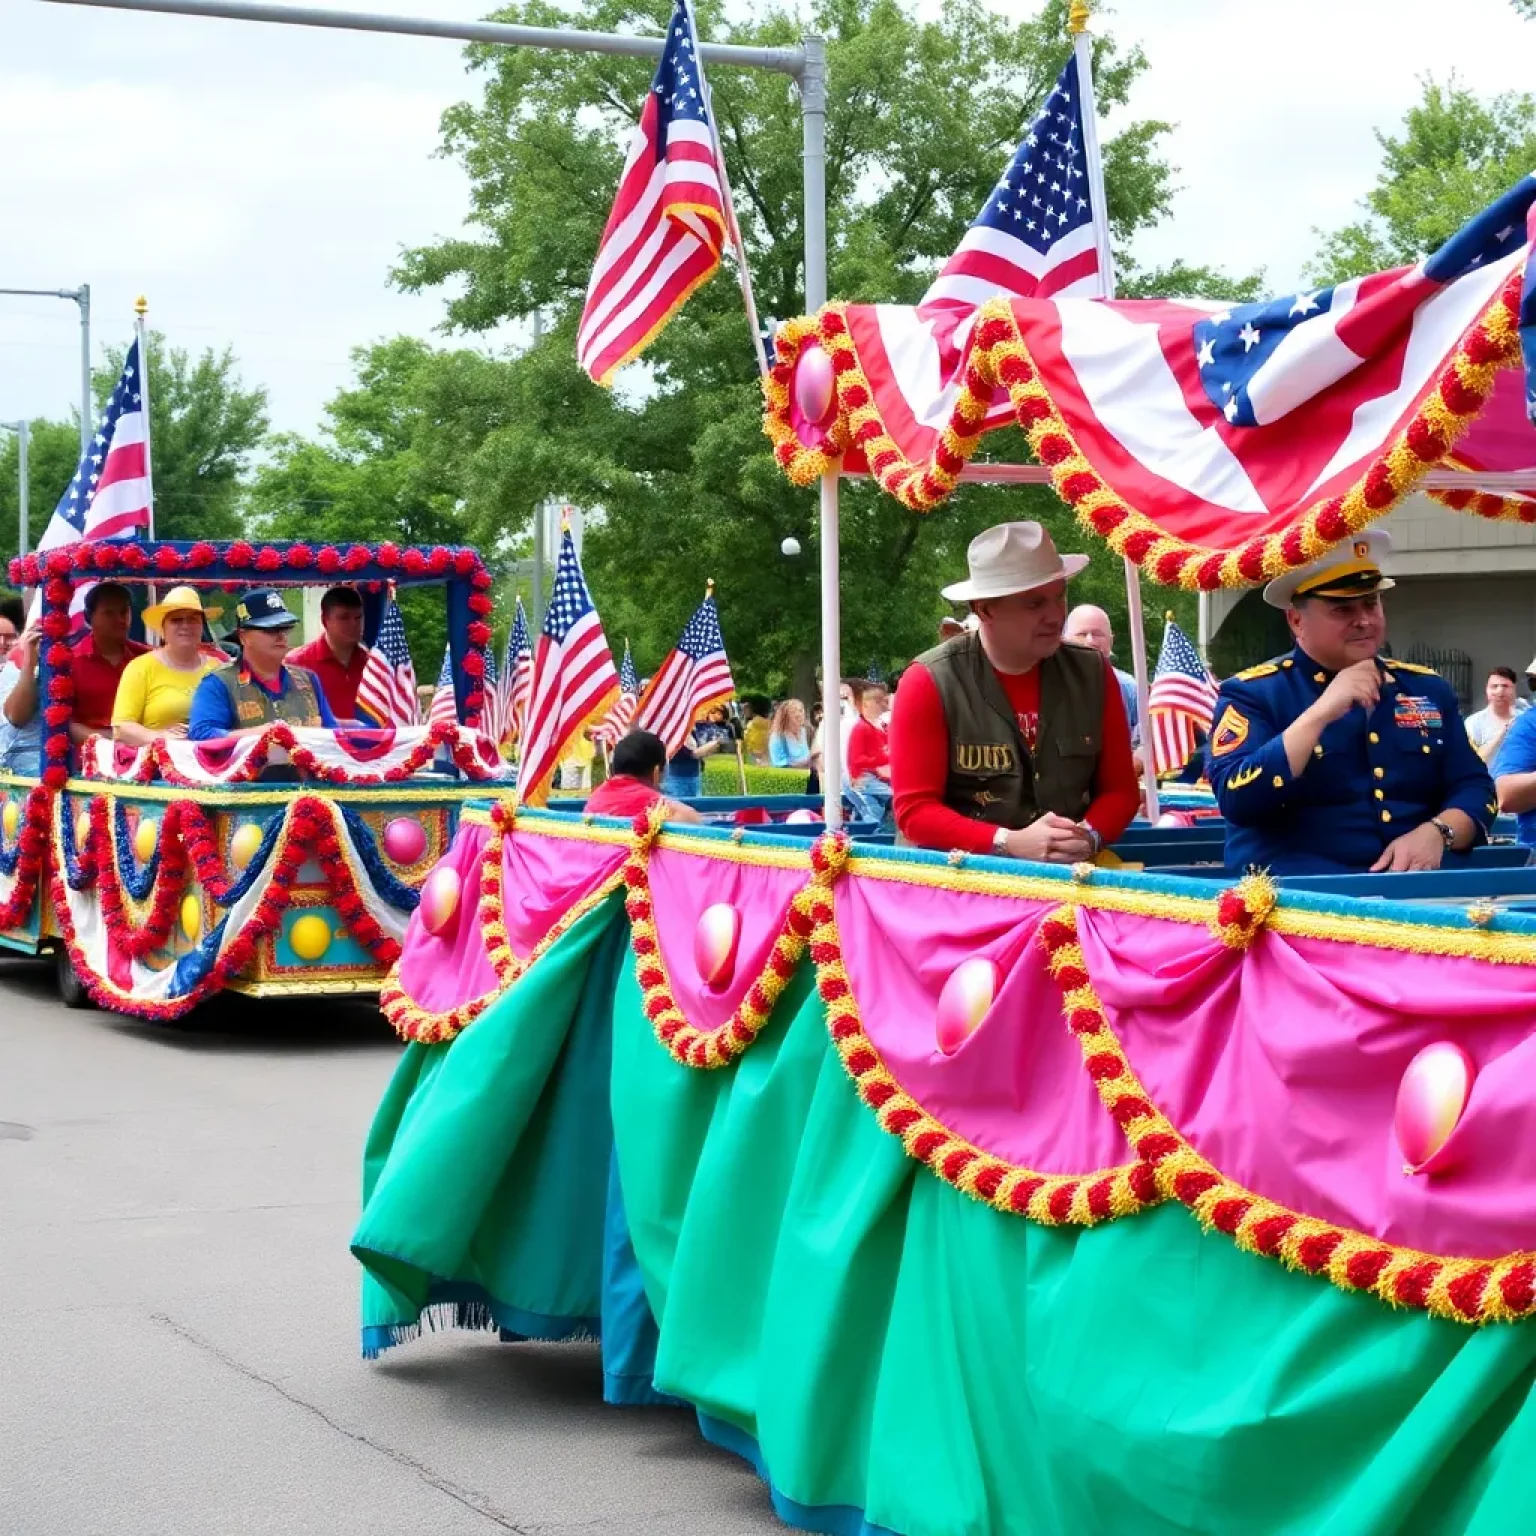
{"x": 1336, "y": 759}
{"x": 250, "y": 694}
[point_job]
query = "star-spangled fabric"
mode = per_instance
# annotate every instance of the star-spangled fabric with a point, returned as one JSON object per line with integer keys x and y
{"x": 1222, "y": 424}
{"x": 623, "y": 711}
{"x": 516, "y": 677}
{"x": 1180, "y": 701}
{"x": 387, "y": 688}
{"x": 444, "y": 707}
{"x": 694, "y": 675}
{"x": 667, "y": 226}
{"x": 109, "y": 496}
{"x": 574, "y": 679}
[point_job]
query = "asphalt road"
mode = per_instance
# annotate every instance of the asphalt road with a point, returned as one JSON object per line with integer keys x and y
{"x": 178, "y": 1311}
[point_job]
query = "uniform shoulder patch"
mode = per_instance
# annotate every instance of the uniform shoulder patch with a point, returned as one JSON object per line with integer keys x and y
{"x": 1229, "y": 732}
{"x": 1264, "y": 669}
{"x": 1408, "y": 666}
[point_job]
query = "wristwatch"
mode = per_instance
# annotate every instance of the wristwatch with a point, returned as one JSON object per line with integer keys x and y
{"x": 1000, "y": 842}
{"x": 1095, "y": 837}
{"x": 1446, "y": 831}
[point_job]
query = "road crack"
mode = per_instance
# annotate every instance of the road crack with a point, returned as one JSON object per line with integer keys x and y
{"x": 465, "y": 1496}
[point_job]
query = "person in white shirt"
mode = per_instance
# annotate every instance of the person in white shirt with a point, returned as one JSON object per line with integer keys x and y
{"x": 1486, "y": 728}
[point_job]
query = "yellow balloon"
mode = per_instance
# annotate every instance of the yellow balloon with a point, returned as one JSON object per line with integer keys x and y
{"x": 191, "y": 917}
{"x": 310, "y": 937}
{"x": 10, "y": 818}
{"x": 243, "y": 845}
{"x": 146, "y": 836}
{"x": 82, "y": 830}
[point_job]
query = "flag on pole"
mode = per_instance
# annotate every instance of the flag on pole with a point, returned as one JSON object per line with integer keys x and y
{"x": 623, "y": 710}
{"x": 574, "y": 680}
{"x": 516, "y": 676}
{"x": 667, "y": 228}
{"x": 694, "y": 675}
{"x": 387, "y": 688}
{"x": 109, "y": 497}
{"x": 443, "y": 708}
{"x": 490, "y": 710}
{"x": 1180, "y": 703}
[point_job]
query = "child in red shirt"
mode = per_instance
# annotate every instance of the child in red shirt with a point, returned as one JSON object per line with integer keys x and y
{"x": 634, "y": 781}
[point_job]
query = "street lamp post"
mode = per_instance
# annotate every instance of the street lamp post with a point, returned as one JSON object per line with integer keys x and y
{"x": 21, "y": 430}
{"x": 82, "y": 297}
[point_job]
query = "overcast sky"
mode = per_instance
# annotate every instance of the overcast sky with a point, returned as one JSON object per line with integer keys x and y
{"x": 257, "y": 182}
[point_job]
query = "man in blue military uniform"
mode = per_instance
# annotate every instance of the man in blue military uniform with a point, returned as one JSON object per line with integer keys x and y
{"x": 1334, "y": 758}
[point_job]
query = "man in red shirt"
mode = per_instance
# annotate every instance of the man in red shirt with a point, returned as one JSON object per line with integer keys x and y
{"x": 1005, "y": 740}
{"x": 634, "y": 781}
{"x": 869, "y": 755}
{"x": 337, "y": 655}
{"x": 100, "y": 657}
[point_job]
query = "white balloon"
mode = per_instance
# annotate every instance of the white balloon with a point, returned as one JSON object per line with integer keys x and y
{"x": 790, "y": 547}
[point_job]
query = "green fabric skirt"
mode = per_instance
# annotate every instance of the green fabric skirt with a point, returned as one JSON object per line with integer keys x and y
{"x": 892, "y": 1354}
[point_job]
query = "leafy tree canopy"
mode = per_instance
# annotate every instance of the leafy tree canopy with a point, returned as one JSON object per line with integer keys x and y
{"x": 1454, "y": 155}
{"x": 921, "y": 116}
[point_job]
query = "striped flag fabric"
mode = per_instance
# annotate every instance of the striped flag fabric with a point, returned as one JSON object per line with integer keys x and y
{"x": 623, "y": 710}
{"x": 574, "y": 679}
{"x": 110, "y": 496}
{"x": 1180, "y": 702}
{"x": 444, "y": 708}
{"x": 667, "y": 227}
{"x": 516, "y": 675}
{"x": 694, "y": 675}
{"x": 387, "y": 688}
{"x": 490, "y": 710}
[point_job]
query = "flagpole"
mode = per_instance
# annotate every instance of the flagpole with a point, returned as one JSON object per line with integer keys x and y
{"x": 1082, "y": 46}
{"x": 733, "y": 229}
{"x": 140, "y": 309}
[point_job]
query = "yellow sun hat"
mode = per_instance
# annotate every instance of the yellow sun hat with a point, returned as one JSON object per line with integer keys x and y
{"x": 179, "y": 600}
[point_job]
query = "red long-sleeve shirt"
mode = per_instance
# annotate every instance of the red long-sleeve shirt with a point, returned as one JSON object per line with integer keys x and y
{"x": 920, "y": 762}
{"x": 868, "y": 750}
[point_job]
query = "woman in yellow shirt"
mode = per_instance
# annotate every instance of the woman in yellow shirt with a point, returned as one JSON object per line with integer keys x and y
{"x": 154, "y": 695}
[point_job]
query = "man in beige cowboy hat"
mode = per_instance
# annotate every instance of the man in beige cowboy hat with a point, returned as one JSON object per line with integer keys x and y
{"x": 1005, "y": 740}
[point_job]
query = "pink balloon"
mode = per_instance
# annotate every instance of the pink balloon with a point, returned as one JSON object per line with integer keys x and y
{"x": 813, "y": 385}
{"x": 440, "y": 901}
{"x": 1430, "y": 1100}
{"x": 715, "y": 942}
{"x": 405, "y": 839}
{"x": 964, "y": 1002}
{"x": 1175, "y": 819}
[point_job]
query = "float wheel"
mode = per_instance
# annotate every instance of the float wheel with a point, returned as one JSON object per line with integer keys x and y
{"x": 72, "y": 991}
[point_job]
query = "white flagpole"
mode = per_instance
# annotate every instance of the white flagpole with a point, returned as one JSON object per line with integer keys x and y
{"x": 1077, "y": 24}
{"x": 140, "y": 309}
{"x": 743, "y": 270}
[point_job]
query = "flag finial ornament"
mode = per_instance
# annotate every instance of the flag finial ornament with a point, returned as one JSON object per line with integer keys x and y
{"x": 141, "y": 306}
{"x": 709, "y": 587}
{"x": 1077, "y": 17}
{"x": 1168, "y": 615}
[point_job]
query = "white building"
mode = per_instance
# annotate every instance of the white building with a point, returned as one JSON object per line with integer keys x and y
{"x": 1465, "y": 600}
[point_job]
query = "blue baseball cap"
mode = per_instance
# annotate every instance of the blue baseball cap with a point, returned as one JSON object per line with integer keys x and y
{"x": 263, "y": 608}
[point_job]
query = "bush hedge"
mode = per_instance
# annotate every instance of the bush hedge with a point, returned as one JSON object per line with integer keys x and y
{"x": 720, "y": 779}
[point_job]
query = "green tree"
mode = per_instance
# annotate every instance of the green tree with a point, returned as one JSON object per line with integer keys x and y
{"x": 401, "y": 458}
{"x": 203, "y": 426}
{"x": 1454, "y": 156}
{"x": 673, "y": 463}
{"x": 53, "y": 453}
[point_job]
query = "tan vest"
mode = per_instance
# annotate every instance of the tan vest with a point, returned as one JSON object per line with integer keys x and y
{"x": 993, "y": 777}
{"x": 253, "y": 705}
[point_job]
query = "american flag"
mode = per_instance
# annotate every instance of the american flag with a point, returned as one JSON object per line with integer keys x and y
{"x": 574, "y": 681}
{"x": 623, "y": 710}
{"x": 694, "y": 675}
{"x": 516, "y": 675}
{"x": 490, "y": 710}
{"x": 109, "y": 498}
{"x": 443, "y": 708}
{"x": 1180, "y": 701}
{"x": 667, "y": 227}
{"x": 387, "y": 688}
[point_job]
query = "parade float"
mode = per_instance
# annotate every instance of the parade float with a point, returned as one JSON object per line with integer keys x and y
{"x": 965, "y": 1196}
{"x": 286, "y": 862}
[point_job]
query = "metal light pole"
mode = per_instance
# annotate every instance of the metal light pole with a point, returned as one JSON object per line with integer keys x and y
{"x": 82, "y": 297}
{"x": 806, "y": 65}
{"x": 22, "y": 431}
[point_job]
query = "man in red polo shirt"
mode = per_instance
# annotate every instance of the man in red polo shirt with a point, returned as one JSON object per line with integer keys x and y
{"x": 337, "y": 655}
{"x": 100, "y": 657}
